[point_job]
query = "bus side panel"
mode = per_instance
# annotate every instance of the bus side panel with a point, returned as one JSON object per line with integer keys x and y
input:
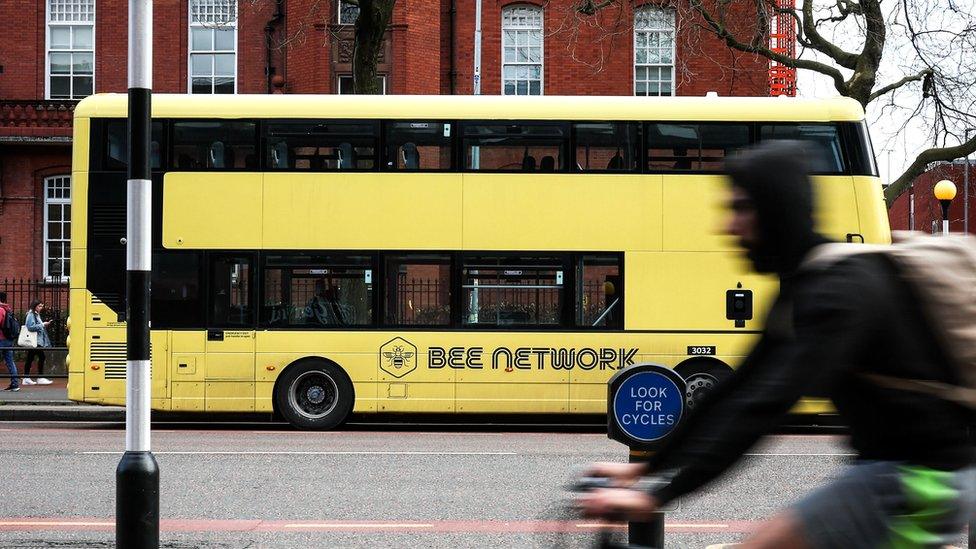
{"x": 354, "y": 352}
{"x": 694, "y": 213}
{"x": 188, "y": 363}
{"x": 687, "y": 290}
{"x": 212, "y": 210}
{"x": 514, "y": 376}
{"x": 76, "y": 363}
{"x": 588, "y": 388}
{"x": 413, "y": 211}
{"x": 562, "y": 212}
{"x": 415, "y": 378}
{"x": 159, "y": 341}
{"x": 871, "y": 210}
{"x": 836, "y": 213}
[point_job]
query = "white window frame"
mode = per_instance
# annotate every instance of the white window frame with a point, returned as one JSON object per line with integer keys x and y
{"x": 339, "y": 77}
{"x": 212, "y": 52}
{"x": 339, "y": 20}
{"x": 69, "y": 23}
{"x": 674, "y": 34}
{"x": 542, "y": 46}
{"x": 65, "y": 238}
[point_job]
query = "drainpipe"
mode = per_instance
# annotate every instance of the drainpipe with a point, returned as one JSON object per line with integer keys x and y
{"x": 453, "y": 21}
{"x": 268, "y": 31}
{"x": 477, "y": 47}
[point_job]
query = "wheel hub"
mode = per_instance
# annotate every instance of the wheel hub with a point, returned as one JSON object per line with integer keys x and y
{"x": 696, "y": 387}
{"x": 315, "y": 394}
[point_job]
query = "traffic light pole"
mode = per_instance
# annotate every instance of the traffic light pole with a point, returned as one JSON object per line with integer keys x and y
{"x": 137, "y": 475}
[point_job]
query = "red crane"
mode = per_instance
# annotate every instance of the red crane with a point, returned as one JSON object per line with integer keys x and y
{"x": 782, "y": 40}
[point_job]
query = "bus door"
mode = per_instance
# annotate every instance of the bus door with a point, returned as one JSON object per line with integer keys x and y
{"x": 229, "y": 364}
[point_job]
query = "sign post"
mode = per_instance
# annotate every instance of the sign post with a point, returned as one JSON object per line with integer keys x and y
{"x": 645, "y": 403}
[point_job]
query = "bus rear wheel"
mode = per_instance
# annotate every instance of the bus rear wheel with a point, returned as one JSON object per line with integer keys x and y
{"x": 701, "y": 376}
{"x": 314, "y": 395}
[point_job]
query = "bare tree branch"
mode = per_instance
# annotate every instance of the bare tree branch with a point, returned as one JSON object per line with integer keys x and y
{"x": 895, "y": 85}
{"x": 922, "y": 162}
{"x": 724, "y": 33}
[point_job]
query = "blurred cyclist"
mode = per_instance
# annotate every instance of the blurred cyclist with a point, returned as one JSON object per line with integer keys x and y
{"x": 913, "y": 484}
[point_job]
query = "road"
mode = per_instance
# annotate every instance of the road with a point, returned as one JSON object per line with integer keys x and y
{"x": 248, "y": 486}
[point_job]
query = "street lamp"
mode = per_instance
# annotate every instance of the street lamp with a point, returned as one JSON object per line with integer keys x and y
{"x": 965, "y": 186}
{"x": 945, "y": 191}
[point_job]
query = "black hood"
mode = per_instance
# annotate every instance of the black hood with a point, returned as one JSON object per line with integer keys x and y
{"x": 776, "y": 176}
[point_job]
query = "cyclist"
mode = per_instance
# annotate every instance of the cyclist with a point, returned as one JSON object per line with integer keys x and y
{"x": 914, "y": 482}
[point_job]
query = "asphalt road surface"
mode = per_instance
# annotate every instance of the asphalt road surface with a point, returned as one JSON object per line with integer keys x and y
{"x": 249, "y": 486}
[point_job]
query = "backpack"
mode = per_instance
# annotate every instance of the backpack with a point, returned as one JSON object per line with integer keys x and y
{"x": 941, "y": 270}
{"x": 10, "y": 326}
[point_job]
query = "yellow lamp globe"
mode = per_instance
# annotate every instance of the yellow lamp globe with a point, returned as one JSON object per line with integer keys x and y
{"x": 945, "y": 190}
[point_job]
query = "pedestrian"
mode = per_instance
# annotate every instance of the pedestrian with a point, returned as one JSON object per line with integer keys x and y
{"x": 7, "y": 342}
{"x": 34, "y": 323}
{"x": 913, "y": 483}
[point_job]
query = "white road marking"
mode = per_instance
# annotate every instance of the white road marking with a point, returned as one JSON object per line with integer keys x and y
{"x": 51, "y": 523}
{"x": 666, "y": 525}
{"x": 837, "y": 454}
{"x": 298, "y": 453}
{"x": 354, "y": 525}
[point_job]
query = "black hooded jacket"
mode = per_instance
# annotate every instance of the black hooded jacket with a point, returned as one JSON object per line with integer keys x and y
{"x": 824, "y": 331}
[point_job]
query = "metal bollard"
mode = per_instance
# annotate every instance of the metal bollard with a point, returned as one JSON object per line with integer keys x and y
{"x": 646, "y": 534}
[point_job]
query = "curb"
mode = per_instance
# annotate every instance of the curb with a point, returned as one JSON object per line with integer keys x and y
{"x": 61, "y": 412}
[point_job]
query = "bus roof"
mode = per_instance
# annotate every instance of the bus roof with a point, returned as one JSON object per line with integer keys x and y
{"x": 483, "y": 107}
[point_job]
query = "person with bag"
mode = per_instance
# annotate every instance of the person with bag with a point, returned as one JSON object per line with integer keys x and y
{"x": 856, "y": 330}
{"x": 9, "y": 330}
{"x": 34, "y": 336}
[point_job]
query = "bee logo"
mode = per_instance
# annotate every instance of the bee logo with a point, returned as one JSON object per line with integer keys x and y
{"x": 398, "y": 357}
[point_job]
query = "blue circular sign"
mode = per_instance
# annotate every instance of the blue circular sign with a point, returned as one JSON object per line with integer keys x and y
{"x": 648, "y": 406}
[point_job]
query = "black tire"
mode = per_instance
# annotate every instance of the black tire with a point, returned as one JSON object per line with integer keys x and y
{"x": 314, "y": 395}
{"x": 701, "y": 376}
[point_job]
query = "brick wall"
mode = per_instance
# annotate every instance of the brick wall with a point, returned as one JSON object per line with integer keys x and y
{"x": 22, "y": 172}
{"x": 927, "y": 208}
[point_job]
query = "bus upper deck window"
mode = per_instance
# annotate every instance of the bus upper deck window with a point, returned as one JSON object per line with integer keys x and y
{"x": 525, "y": 147}
{"x": 606, "y": 146}
{"x": 826, "y": 156}
{"x": 419, "y": 145}
{"x": 692, "y": 146}
{"x": 322, "y": 145}
{"x": 214, "y": 145}
{"x": 115, "y": 156}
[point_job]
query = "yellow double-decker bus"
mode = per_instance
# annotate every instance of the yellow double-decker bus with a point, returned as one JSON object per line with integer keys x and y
{"x": 320, "y": 255}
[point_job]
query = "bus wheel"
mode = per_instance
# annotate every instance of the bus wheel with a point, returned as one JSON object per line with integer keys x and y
{"x": 315, "y": 395}
{"x": 701, "y": 376}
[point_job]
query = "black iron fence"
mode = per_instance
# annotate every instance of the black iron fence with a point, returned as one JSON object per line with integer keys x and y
{"x": 54, "y": 295}
{"x": 22, "y": 293}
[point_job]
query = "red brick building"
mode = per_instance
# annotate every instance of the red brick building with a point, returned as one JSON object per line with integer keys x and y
{"x": 55, "y": 52}
{"x": 927, "y": 211}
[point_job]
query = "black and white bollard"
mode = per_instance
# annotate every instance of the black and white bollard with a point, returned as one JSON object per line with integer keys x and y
{"x": 137, "y": 475}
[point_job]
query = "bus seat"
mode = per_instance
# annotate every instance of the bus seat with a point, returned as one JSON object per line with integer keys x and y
{"x": 547, "y": 164}
{"x": 616, "y": 162}
{"x": 528, "y": 163}
{"x": 217, "y": 155}
{"x": 411, "y": 156}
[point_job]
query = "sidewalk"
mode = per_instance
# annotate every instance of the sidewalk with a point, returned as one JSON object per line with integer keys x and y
{"x": 50, "y": 403}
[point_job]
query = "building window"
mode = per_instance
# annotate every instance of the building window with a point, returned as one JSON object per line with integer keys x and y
{"x": 57, "y": 226}
{"x": 522, "y": 50}
{"x": 70, "y": 49}
{"x": 654, "y": 51}
{"x": 213, "y": 46}
{"x": 345, "y": 86}
{"x": 347, "y": 13}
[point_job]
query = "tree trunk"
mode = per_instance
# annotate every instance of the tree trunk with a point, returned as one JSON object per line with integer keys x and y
{"x": 374, "y": 18}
